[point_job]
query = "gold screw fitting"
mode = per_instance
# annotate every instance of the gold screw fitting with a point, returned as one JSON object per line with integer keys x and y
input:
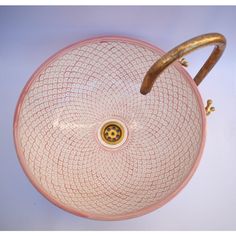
{"x": 183, "y": 62}
{"x": 209, "y": 108}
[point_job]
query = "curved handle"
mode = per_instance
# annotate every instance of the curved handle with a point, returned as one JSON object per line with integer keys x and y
{"x": 176, "y": 53}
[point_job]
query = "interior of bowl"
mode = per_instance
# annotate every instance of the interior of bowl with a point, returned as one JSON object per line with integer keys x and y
{"x": 93, "y": 144}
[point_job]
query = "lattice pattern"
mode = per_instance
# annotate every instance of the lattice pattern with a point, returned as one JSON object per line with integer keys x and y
{"x": 87, "y": 85}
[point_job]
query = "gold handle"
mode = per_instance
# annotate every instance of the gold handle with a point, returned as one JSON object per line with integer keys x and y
{"x": 209, "y": 108}
{"x": 178, "y": 52}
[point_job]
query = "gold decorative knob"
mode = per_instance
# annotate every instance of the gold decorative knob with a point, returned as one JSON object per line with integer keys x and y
{"x": 209, "y": 108}
{"x": 183, "y": 62}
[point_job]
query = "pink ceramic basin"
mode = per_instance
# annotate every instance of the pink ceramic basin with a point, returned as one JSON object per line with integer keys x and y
{"x": 92, "y": 144}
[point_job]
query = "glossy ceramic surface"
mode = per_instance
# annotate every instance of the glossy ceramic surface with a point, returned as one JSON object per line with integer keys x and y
{"x": 67, "y": 101}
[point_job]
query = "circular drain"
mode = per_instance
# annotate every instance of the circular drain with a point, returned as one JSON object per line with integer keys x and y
{"x": 112, "y": 133}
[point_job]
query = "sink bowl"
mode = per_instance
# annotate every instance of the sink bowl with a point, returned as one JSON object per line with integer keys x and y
{"x": 92, "y": 144}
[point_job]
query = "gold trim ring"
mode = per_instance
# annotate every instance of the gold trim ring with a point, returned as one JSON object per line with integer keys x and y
{"x": 185, "y": 48}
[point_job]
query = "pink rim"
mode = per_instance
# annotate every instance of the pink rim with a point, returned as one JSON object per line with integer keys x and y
{"x": 122, "y": 216}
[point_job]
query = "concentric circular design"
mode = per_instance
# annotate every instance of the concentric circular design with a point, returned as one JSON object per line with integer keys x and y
{"x": 66, "y": 104}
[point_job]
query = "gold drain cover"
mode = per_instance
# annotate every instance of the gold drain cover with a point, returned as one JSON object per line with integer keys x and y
{"x": 112, "y": 133}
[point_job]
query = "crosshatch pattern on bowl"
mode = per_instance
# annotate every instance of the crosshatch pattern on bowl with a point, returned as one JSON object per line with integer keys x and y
{"x": 68, "y": 99}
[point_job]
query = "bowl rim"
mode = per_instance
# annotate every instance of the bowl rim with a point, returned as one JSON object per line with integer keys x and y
{"x": 129, "y": 215}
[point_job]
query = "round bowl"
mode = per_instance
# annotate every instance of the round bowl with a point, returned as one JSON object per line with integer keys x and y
{"x": 92, "y": 144}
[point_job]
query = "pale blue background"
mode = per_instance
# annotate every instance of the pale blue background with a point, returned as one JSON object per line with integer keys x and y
{"x": 29, "y": 35}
